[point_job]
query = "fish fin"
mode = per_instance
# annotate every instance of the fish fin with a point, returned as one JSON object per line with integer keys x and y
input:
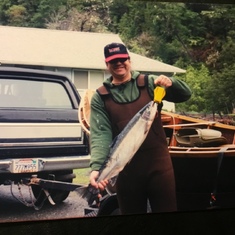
{"x": 113, "y": 180}
{"x": 89, "y": 193}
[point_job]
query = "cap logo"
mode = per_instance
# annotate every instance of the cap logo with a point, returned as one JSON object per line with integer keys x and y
{"x": 114, "y": 49}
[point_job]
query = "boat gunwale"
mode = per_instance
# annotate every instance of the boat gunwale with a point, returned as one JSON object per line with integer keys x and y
{"x": 192, "y": 121}
{"x": 201, "y": 152}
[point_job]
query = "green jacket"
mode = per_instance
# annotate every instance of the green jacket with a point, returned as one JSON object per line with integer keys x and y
{"x": 100, "y": 126}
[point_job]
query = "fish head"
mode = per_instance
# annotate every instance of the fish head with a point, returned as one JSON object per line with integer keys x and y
{"x": 148, "y": 114}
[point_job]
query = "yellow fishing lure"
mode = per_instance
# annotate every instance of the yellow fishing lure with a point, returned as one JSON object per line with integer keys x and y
{"x": 159, "y": 93}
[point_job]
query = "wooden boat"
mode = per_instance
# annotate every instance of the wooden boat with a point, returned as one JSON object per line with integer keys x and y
{"x": 203, "y": 156}
{"x": 204, "y": 165}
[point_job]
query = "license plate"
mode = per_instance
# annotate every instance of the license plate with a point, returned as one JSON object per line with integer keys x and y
{"x": 25, "y": 165}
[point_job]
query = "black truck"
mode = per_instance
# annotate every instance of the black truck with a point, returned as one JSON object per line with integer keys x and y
{"x": 40, "y": 133}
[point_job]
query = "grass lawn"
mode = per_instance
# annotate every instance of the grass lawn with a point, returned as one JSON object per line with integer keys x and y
{"x": 82, "y": 176}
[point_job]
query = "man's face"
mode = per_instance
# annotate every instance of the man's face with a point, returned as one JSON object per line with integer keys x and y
{"x": 119, "y": 67}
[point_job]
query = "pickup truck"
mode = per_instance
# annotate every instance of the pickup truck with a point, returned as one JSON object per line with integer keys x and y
{"x": 40, "y": 133}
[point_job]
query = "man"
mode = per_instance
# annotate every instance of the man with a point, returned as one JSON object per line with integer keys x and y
{"x": 149, "y": 175}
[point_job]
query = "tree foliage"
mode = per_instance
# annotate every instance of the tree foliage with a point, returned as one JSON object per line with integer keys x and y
{"x": 197, "y": 37}
{"x": 198, "y": 79}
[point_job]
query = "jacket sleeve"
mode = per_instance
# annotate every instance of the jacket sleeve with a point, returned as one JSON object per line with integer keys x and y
{"x": 178, "y": 92}
{"x": 100, "y": 133}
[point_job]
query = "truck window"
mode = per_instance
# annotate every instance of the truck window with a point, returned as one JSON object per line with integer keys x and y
{"x": 33, "y": 94}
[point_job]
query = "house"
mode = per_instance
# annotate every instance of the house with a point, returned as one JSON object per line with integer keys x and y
{"x": 78, "y": 55}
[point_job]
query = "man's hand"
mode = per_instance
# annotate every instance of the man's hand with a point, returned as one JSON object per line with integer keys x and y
{"x": 93, "y": 177}
{"x": 163, "y": 80}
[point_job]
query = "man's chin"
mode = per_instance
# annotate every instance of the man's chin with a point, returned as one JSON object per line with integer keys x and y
{"x": 120, "y": 75}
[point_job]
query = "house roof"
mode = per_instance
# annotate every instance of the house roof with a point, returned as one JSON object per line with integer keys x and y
{"x": 59, "y": 48}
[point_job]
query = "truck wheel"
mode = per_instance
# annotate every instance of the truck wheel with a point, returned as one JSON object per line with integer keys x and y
{"x": 57, "y": 196}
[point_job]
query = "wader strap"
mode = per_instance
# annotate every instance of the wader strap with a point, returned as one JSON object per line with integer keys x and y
{"x": 220, "y": 158}
{"x": 142, "y": 80}
{"x": 102, "y": 90}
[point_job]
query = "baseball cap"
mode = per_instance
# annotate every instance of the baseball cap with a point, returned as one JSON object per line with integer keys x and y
{"x": 115, "y": 50}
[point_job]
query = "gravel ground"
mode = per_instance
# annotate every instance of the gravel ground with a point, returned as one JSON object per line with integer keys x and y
{"x": 14, "y": 211}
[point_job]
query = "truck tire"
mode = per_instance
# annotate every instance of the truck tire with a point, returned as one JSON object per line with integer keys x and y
{"x": 57, "y": 196}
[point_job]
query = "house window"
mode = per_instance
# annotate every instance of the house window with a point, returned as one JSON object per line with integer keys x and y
{"x": 84, "y": 80}
{"x": 81, "y": 79}
{"x": 88, "y": 79}
{"x": 96, "y": 79}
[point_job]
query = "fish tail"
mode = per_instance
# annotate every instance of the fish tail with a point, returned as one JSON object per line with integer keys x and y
{"x": 89, "y": 193}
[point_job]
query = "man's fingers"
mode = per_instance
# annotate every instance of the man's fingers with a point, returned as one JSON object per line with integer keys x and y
{"x": 163, "y": 80}
{"x": 102, "y": 184}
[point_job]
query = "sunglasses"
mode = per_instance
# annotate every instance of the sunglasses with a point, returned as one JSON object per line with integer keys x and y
{"x": 121, "y": 60}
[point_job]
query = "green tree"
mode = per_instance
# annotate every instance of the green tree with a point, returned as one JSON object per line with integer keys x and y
{"x": 27, "y": 13}
{"x": 198, "y": 80}
{"x": 16, "y": 15}
{"x": 87, "y": 16}
{"x": 223, "y": 82}
{"x": 117, "y": 9}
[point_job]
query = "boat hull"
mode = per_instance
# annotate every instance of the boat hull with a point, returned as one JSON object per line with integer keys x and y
{"x": 199, "y": 172}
